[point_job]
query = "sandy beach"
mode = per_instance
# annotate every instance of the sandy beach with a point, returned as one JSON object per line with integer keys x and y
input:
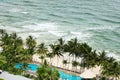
{"x": 58, "y": 62}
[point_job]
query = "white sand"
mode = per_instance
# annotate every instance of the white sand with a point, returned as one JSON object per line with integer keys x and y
{"x": 90, "y": 73}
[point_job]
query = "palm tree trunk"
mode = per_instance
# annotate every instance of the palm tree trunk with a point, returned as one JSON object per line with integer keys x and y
{"x": 42, "y": 61}
{"x": 57, "y": 61}
{"x": 69, "y": 63}
{"x": 80, "y": 70}
{"x": 50, "y": 62}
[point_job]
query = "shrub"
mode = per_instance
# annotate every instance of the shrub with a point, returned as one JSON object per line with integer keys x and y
{"x": 1, "y": 79}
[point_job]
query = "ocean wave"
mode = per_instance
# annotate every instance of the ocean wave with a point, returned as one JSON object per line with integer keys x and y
{"x": 13, "y": 29}
{"x": 56, "y": 15}
{"x": 66, "y": 21}
{"x": 41, "y": 26}
{"x": 113, "y": 16}
{"x": 27, "y": 2}
{"x": 87, "y": 13}
{"x": 70, "y": 34}
{"x": 111, "y": 54}
{"x": 38, "y": 35}
{"x": 78, "y": 18}
{"x": 110, "y": 21}
{"x": 102, "y": 27}
{"x": 81, "y": 35}
{"x": 8, "y": 16}
{"x": 114, "y": 55}
{"x": 58, "y": 33}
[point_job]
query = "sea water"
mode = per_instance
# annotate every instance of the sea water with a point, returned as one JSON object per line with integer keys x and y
{"x": 96, "y": 22}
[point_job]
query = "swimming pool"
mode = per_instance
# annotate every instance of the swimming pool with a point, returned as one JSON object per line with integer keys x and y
{"x": 32, "y": 67}
{"x": 63, "y": 75}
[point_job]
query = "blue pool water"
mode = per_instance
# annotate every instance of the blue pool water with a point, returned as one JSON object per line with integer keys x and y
{"x": 63, "y": 75}
{"x": 32, "y": 67}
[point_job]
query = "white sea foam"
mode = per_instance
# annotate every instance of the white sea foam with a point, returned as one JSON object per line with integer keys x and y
{"x": 13, "y": 29}
{"x": 76, "y": 33}
{"x": 41, "y": 26}
{"x": 67, "y": 38}
{"x": 39, "y": 36}
{"x": 33, "y": 34}
{"x": 25, "y": 12}
{"x": 111, "y": 54}
{"x": 102, "y": 28}
{"x": 36, "y": 35}
{"x": 23, "y": 35}
{"x": 81, "y": 35}
{"x": 58, "y": 33}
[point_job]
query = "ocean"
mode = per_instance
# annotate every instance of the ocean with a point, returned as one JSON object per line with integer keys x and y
{"x": 96, "y": 22}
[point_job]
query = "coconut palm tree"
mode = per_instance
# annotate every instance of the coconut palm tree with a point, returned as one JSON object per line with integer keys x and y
{"x": 111, "y": 59}
{"x": 31, "y": 44}
{"x": 102, "y": 58}
{"x": 17, "y": 43}
{"x": 5, "y": 40}
{"x": 73, "y": 48}
{"x": 65, "y": 63}
{"x": 2, "y": 32}
{"x": 50, "y": 55}
{"x": 47, "y": 73}
{"x": 82, "y": 50}
{"x": 91, "y": 59}
{"x": 75, "y": 64}
{"x": 11, "y": 45}
{"x": 25, "y": 56}
{"x": 42, "y": 58}
{"x": 56, "y": 51}
{"x": 85, "y": 49}
{"x": 111, "y": 70}
{"x": 61, "y": 44}
{"x": 41, "y": 49}
{"x": 81, "y": 67}
{"x": 2, "y": 60}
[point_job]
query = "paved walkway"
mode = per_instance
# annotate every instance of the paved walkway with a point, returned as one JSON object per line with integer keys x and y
{"x": 7, "y": 76}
